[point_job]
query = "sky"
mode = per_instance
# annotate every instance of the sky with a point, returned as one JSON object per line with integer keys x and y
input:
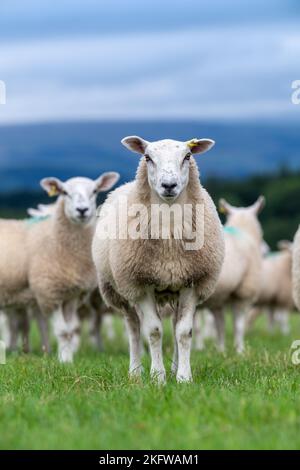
{"x": 149, "y": 59}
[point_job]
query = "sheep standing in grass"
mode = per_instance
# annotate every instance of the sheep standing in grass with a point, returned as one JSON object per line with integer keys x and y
{"x": 275, "y": 295}
{"x": 240, "y": 278}
{"x": 60, "y": 269}
{"x": 91, "y": 308}
{"x": 136, "y": 273}
{"x": 15, "y": 295}
{"x": 296, "y": 269}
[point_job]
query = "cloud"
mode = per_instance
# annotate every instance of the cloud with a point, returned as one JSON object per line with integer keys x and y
{"x": 220, "y": 72}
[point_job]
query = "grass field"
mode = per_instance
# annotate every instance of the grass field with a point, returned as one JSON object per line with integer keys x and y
{"x": 250, "y": 402}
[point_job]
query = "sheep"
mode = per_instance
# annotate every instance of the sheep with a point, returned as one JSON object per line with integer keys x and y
{"x": 91, "y": 307}
{"x": 275, "y": 295}
{"x": 14, "y": 289}
{"x": 60, "y": 268}
{"x": 139, "y": 271}
{"x": 240, "y": 277}
{"x": 296, "y": 269}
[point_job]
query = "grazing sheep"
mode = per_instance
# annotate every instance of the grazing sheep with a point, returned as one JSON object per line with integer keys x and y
{"x": 60, "y": 268}
{"x": 240, "y": 278}
{"x": 296, "y": 269}
{"x": 275, "y": 295}
{"x": 138, "y": 271}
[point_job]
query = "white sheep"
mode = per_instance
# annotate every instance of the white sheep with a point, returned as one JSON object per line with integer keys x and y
{"x": 275, "y": 294}
{"x": 138, "y": 271}
{"x": 239, "y": 282}
{"x": 60, "y": 267}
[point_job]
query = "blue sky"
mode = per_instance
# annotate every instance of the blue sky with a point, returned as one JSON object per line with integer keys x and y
{"x": 127, "y": 59}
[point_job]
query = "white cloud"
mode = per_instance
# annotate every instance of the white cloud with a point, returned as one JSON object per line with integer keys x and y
{"x": 215, "y": 73}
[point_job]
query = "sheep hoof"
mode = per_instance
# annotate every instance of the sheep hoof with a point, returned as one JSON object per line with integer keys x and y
{"x": 65, "y": 357}
{"x": 136, "y": 373}
{"x": 184, "y": 378}
{"x": 158, "y": 377}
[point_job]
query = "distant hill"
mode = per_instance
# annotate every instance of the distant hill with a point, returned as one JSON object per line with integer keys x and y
{"x": 30, "y": 152}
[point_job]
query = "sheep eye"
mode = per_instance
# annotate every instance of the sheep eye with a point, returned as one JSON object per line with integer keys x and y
{"x": 64, "y": 193}
{"x": 148, "y": 159}
{"x": 187, "y": 157}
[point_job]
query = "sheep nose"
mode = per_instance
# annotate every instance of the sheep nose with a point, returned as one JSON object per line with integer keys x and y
{"x": 82, "y": 211}
{"x": 169, "y": 186}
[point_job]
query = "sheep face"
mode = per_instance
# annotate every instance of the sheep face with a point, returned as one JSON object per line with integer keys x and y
{"x": 80, "y": 195}
{"x": 167, "y": 162}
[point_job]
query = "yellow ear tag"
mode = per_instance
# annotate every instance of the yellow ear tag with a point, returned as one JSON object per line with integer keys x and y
{"x": 192, "y": 143}
{"x": 222, "y": 210}
{"x": 52, "y": 191}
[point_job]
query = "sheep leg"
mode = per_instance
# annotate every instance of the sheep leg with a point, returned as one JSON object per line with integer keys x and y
{"x": 4, "y": 328}
{"x": 174, "y": 366}
{"x": 66, "y": 328}
{"x": 24, "y": 325}
{"x": 252, "y": 317}
{"x": 209, "y": 329}
{"x": 43, "y": 327}
{"x": 198, "y": 330}
{"x": 220, "y": 328}
{"x": 95, "y": 329}
{"x": 153, "y": 330}
{"x": 184, "y": 333}
{"x": 271, "y": 319}
{"x": 282, "y": 319}
{"x": 239, "y": 319}
{"x": 108, "y": 323}
{"x": 133, "y": 328}
{"x": 14, "y": 330}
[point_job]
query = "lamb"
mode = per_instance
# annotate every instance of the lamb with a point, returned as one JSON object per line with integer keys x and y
{"x": 239, "y": 282}
{"x": 275, "y": 296}
{"x": 146, "y": 268}
{"x": 296, "y": 269}
{"x": 60, "y": 268}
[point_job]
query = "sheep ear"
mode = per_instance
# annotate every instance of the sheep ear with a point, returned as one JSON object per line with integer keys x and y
{"x": 200, "y": 145}
{"x": 106, "y": 181}
{"x": 33, "y": 212}
{"x": 259, "y": 205}
{"x": 135, "y": 144}
{"x": 265, "y": 249}
{"x": 224, "y": 207}
{"x": 283, "y": 245}
{"x": 53, "y": 186}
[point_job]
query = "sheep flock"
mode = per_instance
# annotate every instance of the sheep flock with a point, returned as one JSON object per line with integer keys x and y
{"x": 155, "y": 249}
